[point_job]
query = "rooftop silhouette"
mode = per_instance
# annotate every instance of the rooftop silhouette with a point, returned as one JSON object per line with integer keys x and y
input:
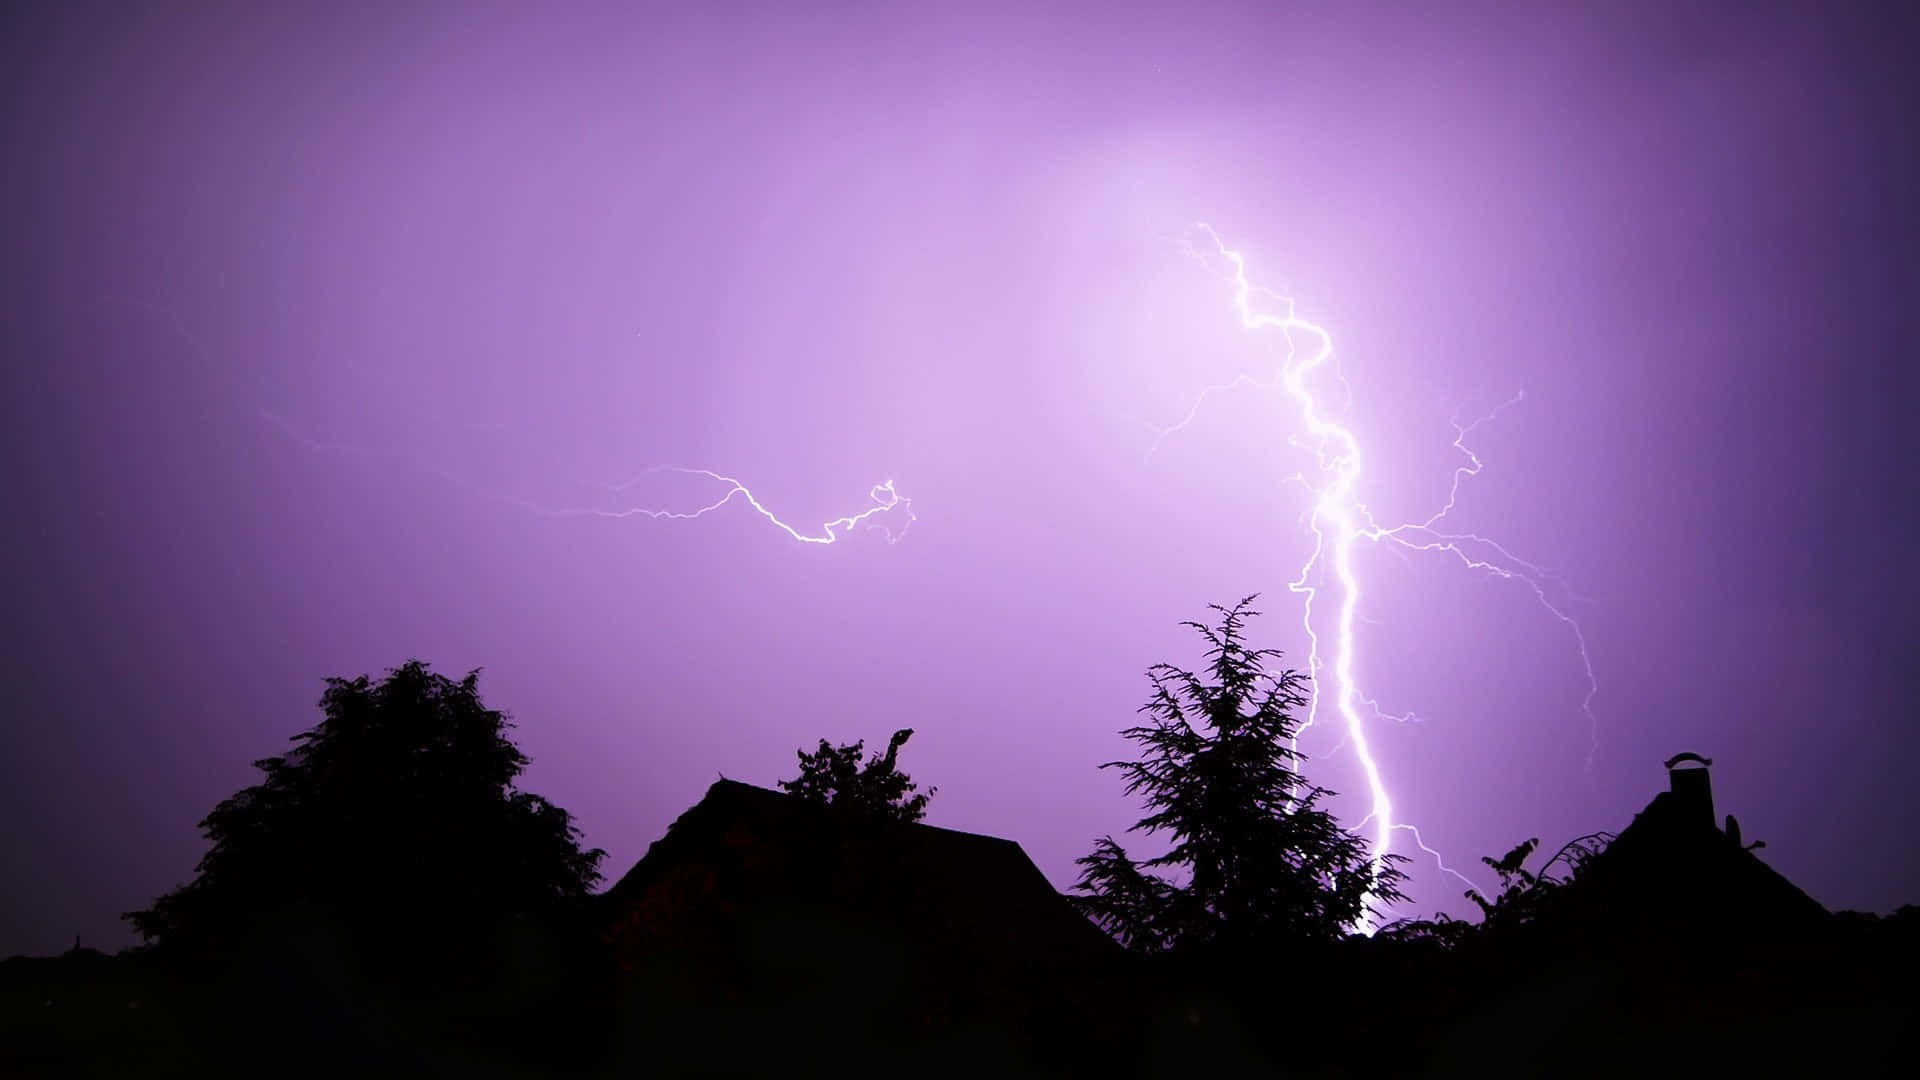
{"x": 756, "y": 901}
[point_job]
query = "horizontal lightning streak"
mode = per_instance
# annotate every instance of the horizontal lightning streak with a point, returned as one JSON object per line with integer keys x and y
{"x": 883, "y": 495}
{"x": 885, "y": 498}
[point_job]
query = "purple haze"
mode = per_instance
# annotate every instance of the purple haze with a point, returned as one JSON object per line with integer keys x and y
{"x": 298, "y": 304}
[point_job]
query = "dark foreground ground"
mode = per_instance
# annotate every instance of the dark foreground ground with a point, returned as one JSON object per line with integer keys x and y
{"x": 1843, "y": 1005}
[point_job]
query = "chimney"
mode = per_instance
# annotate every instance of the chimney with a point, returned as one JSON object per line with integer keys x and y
{"x": 1691, "y": 789}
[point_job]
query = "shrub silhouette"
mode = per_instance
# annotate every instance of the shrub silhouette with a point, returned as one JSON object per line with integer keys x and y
{"x": 832, "y": 776}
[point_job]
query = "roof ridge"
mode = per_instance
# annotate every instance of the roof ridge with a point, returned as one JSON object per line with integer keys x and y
{"x": 726, "y": 782}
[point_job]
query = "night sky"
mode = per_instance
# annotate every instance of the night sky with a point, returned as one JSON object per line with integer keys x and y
{"x": 313, "y": 320}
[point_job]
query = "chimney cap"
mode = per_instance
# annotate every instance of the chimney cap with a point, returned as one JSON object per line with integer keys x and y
{"x": 1688, "y": 756}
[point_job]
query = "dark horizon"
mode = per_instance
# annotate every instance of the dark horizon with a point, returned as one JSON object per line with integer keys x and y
{"x": 312, "y": 314}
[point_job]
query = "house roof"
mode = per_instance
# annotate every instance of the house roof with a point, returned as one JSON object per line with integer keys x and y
{"x": 743, "y": 849}
{"x": 1672, "y": 869}
{"x": 992, "y": 875}
{"x": 755, "y": 900}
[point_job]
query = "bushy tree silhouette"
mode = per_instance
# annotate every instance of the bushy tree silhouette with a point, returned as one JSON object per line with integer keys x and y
{"x": 1524, "y": 895}
{"x": 392, "y": 829}
{"x": 832, "y": 776}
{"x": 1261, "y": 860}
{"x": 1513, "y": 897}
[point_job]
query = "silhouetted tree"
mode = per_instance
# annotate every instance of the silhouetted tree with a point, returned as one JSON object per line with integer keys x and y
{"x": 833, "y": 776}
{"x": 1262, "y": 861}
{"x": 1524, "y": 895}
{"x": 1443, "y": 931}
{"x": 1511, "y": 902}
{"x": 392, "y": 831}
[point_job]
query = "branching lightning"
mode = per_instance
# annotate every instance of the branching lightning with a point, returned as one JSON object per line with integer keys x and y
{"x": 886, "y": 501}
{"x": 1338, "y": 521}
{"x": 888, "y": 505}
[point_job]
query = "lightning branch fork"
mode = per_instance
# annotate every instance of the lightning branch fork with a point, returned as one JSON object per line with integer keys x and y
{"x": 1338, "y": 521}
{"x": 887, "y": 506}
{"x": 884, "y": 497}
{"x": 887, "y": 510}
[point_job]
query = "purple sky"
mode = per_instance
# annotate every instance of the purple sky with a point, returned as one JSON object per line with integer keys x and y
{"x": 484, "y": 254}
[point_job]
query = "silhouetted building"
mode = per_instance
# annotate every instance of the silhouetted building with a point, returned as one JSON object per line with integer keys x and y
{"x": 1691, "y": 788}
{"x": 800, "y": 929}
{"x": 1675, "y": 949}
{"x": 1674, "y": 874}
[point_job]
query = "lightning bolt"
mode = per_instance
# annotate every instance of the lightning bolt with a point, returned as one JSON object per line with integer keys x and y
{"x": 884, "y": 497}
{"x": 1338, "y": 522}
{"x": 887, "y": 504}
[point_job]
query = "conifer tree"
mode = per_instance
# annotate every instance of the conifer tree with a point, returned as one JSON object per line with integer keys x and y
{"x": 1254, "y": 855}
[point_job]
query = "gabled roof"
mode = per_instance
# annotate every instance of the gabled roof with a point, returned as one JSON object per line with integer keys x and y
{"x": 991, "y": 875}
{"x": 1671, "y": 871}
{"x": 762, "y": 847}
{"x": 756, "y": 900}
